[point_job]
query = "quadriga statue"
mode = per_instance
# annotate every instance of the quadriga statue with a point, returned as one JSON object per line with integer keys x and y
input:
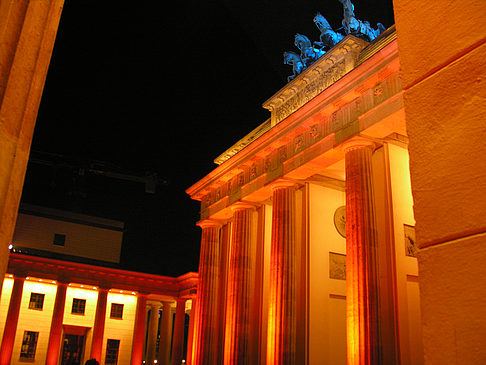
{"x": 357, "y": 27}
{"x": 308, "y": 53}
{"x": 293, "y": 59}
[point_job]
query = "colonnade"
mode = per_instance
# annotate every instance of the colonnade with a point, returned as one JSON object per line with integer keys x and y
{"x": 170, "y": 348}
{"x": 363, "y": 338}
{"x": 171, "y": 344}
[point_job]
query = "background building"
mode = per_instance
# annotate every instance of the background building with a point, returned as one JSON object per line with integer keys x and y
{"x": 64, "y": 301}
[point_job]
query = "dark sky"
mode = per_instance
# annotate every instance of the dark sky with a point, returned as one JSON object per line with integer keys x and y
{"x": 142, "y": 87}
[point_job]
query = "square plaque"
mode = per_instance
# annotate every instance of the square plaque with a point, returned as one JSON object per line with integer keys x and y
{"x": 337, "y": 266}
{"x": 410, "y": 247}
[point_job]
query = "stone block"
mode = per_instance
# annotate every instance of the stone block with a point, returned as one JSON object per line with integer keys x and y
{"x": 447, "y": 130}
{"x": 452, "y": 287}
{"x": 433, "y": 32}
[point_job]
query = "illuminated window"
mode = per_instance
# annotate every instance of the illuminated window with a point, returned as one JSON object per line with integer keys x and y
{"x": 112, "y": 347}
{"x": 78, "y": 306}
{"x": 36, "y": 301}
{"x": 116, "y": 311}
{"x": 59, "y": 239}
{"x": 29, "y": 344}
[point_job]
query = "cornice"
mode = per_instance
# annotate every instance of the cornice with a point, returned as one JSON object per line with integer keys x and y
{"x": 327, "y": 120}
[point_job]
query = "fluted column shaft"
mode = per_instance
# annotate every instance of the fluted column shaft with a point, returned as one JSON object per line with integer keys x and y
{"x": 139, "y": 330}
{"x": 281, "y": 342}
{"x": 362, "y": 312}
{"x": 236, "y": 345}
{"x": 56, "y": 325}
{"x": 178, "y": 338}
{"x": 206, "y": 325}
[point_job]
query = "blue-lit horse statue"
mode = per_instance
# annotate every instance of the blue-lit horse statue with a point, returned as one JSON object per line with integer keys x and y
{"x": 293, "y": 59}
{"x": 308, "y": 53}
{"x": 357, "y": 27}
{"x": 328, "y": 38}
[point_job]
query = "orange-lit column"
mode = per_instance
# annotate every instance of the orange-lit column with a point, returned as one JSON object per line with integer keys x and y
{"x": 56, "y": 325}
{"x": 165, "y": 334}
{"x": 11, "y": 322}
{"x": 236, "y": 344}
{"x": 152, "y": 333}
{"x": 139, "y": 329}
{"x": 362, "y": 306}
{"x": 178, "y": 338}
{"x": 190, "y": 335}
{"x": 281, "y": 342}
{"x": 204, "y": 350}
{"x": 99, "y": 325}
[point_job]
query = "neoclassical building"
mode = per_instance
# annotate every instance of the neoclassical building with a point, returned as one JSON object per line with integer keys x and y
{"x": 64, "y": 300}
{"x": 308, "y": 249}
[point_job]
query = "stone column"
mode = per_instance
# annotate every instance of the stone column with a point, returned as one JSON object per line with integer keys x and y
{"x": 165, "y": 334}
{"x": 56, "y": 325}
{"x": 178, "y": 338}
{"x": 27, "y": 33}
{"x": 139, "y": 330}
{"x": 206, "y": 325}
{"x": 11, "y": 321}
{"x": 190, "y": 335}
{"x": 99, "y": 325}
{"x": 362, "y": 303}
{"x": 282, "y": 320}
{"x": 238, "y": 303}
{"x": 152, "y": 333}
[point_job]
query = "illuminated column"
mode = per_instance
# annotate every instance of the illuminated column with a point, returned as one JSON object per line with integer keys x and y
{"x": 236, "y": 345}
{"x": 190, "y": 335}
{"x": 206, "y": 325}
{"x": 282, "y": 320}
{"x": 56, "y": 325}
{"x": 165, "y": 334}
{"x": 362, "y": 312}
{"x": 11, "y": 321}
{"x": 152, "y": 333}
{"x": 99, "y": 325}
{"x": 27, "y": 33}
{"x": 178, "y": 340}
{"x": 139, "y": 329}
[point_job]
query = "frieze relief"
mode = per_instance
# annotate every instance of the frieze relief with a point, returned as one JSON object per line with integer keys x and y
{"x": 337, "y": 120}
{"x": 315, "y": 79}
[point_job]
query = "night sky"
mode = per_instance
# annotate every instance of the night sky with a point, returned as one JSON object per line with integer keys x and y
{"x": 160, "y": 87}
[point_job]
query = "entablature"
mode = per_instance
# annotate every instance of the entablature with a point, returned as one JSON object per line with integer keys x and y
{"x": 366, "y": 101}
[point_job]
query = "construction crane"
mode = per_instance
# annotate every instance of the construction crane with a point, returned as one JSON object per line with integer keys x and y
{"x": 99, "y": 168}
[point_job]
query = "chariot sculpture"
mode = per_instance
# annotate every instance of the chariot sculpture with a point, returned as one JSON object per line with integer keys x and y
{"x": 328, "y": 38}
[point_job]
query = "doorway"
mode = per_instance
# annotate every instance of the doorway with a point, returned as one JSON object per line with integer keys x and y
{"x": 72, "y": 349}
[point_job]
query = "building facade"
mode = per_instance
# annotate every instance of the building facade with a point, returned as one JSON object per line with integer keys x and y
{"x": 64, "y": 302}
{"x": 308, "y": 242}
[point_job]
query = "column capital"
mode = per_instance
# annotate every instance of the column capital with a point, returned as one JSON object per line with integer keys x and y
{"x": 359, "y": 142}
{"x": 283, "y": 183}
{"x": 206, "y": 223}
{"x": 243, "y": 205}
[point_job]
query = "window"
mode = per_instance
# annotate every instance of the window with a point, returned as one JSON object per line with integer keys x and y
{"x": 116, "y": 311}
{"x": 78, "y": 306}
{"x": 112, "y": 347}
{"x": 29, "y": 343}
{"x": 36, "y": 301}
{"x": 59, "y": 239}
